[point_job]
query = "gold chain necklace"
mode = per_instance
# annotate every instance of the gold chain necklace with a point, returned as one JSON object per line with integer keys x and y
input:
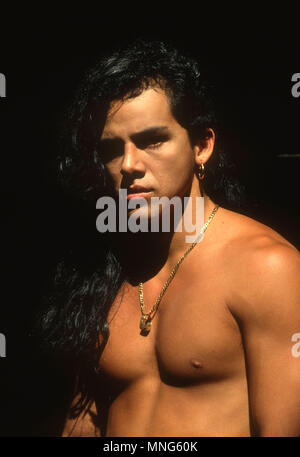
{"x": 146, "y": 319}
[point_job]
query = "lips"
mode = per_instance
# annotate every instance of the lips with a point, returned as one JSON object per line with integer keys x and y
{"x": 138, "y": 192}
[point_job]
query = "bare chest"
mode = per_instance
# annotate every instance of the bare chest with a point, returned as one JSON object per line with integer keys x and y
{"x": 193, "y": 337}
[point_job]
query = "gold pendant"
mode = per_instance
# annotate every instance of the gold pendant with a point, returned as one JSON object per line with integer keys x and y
{"x": 145, "y": 324}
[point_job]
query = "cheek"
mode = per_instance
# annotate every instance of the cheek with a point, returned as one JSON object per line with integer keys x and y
{"x": 175, "y": 176}
{"x": 180, "y": 162}
{"x": 183, "y": 155}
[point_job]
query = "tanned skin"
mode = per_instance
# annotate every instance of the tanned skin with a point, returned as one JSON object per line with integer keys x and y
{"x": 218, "y": 360}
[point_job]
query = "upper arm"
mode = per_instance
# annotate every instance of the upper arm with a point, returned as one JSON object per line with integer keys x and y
{"x": 269, "y": 317}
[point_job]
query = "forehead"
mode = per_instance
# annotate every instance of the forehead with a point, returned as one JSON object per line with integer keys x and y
{"x": 148, "y": 109}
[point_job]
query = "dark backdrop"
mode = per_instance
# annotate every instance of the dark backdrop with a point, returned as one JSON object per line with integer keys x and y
{"x": 249, "y": 55}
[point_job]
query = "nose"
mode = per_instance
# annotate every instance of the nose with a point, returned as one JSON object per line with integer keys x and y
{"x": 132, "y": 160}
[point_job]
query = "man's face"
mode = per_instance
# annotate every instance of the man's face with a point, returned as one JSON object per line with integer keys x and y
{"x": 145, "y": 149}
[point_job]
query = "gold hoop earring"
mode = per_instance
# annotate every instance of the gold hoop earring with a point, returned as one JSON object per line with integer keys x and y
{"x": 201, "y": 172}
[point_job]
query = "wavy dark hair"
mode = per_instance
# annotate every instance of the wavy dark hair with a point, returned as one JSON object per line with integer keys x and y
{"x": 86, "y": 281}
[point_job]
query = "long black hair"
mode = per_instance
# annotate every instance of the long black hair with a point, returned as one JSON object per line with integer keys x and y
{"x": 86, "y": 281}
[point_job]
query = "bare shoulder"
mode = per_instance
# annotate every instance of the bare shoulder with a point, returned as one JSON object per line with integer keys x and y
{"x": 247, "y": 236}
{"x": 264, "y": 267}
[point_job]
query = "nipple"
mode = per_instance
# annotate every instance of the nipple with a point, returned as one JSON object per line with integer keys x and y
{"x": 196, "y": 364}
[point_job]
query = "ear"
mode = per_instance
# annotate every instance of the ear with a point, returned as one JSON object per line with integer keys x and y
{"x": 204, "y": 147}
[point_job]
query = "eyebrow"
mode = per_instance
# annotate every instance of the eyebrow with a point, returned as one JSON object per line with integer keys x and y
{"x": 156, "y": 130}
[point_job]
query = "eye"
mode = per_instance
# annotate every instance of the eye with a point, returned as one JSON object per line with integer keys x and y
{"x": 155, "y": 145}
{"x": 151, "y": 143}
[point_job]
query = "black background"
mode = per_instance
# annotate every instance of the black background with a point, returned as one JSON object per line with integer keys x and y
{"x": 250, "y": 56}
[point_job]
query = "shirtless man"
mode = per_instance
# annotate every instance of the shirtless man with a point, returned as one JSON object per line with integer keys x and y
{"x": 218, "y": 358}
